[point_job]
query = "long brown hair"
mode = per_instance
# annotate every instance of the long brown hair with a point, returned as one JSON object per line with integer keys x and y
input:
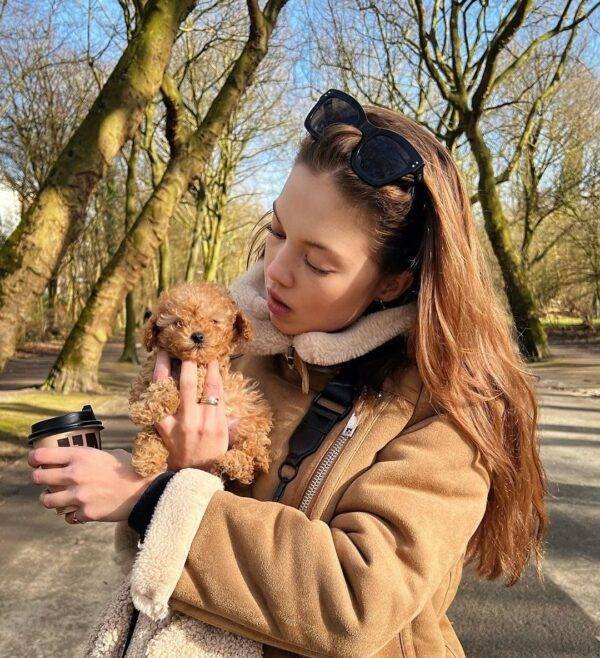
{"x": 463, "y": 341}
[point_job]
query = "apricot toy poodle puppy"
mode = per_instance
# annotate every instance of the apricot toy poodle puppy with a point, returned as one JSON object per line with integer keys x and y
{"x": 199, "y": 321}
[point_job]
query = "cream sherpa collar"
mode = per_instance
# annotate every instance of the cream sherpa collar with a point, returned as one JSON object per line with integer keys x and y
{"x": 315, "y": 347}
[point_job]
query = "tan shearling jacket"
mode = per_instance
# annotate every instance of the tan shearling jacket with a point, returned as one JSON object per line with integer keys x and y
{"x": 362, "y": 556}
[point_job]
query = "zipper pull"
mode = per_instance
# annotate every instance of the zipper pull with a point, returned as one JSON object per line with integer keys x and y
{"x": 290, "y": 357}
{"x": 280, "y": 489}
{"x": 351, "y": 425}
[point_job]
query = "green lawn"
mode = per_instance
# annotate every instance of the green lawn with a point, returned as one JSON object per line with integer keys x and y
{"x": 563, "y": 322}
{"x": 20, "y": 409}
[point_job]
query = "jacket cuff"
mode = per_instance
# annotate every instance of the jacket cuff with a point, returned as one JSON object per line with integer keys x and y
{"x": 142, "y": 512}
{"x": 169, "y": 536}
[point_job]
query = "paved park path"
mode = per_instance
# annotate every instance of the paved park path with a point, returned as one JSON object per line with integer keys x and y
{"x": 54, "y": 577}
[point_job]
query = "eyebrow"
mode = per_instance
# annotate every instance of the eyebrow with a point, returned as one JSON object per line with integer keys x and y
{"x": 310, "y": 243}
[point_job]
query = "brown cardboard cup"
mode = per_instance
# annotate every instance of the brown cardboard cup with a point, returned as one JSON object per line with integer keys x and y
{"x": 80, "y": 428}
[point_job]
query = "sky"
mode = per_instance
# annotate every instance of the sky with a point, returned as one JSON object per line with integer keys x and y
{"x": 70, "y": 17}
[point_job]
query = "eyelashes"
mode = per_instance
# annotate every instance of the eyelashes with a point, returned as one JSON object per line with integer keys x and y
{"x": 269, "y": 228}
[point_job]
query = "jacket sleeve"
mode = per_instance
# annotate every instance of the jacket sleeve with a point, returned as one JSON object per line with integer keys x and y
{"x": 266, "y": 571}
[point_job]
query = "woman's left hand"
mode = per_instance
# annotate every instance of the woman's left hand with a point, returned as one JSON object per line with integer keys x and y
{"x": 196, "y": 434}
{"x": 102, "y": 483}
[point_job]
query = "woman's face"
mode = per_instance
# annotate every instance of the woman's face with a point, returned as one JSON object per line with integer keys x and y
{"x": 326, "y": 285}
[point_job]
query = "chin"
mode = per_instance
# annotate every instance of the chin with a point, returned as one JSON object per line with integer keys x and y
{"x": 280, "y": 323}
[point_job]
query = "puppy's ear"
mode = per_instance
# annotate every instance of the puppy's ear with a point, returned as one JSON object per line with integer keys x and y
{"x": 242, "y": 327}
{"x": 150, "y": 333}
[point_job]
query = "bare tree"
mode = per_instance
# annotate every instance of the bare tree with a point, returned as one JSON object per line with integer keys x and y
{"x": 77, "y": 366}
{"x": 444, "y": 63}
{"x": 42, "y": 108}
{"x": 129, "y": 353}
{"x": 31, "y": 254}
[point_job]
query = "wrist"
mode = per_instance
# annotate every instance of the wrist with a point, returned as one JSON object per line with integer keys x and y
{"x": 142, "y": 484}
{"x": 136, "y": 490}
{"x": 141, "y": 513}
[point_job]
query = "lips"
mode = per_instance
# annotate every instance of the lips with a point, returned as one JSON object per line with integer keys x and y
{"x": 277, "y": 298}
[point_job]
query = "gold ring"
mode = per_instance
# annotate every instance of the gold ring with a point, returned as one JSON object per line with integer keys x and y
{"x": 209, "y": 399}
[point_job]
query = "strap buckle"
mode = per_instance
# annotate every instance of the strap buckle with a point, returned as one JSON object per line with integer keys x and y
{"x": 340, "y": 393}
{"x": 316, "y": 424}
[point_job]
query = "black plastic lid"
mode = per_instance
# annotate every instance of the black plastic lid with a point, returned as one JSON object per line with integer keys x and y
{"x": 73, "y": 421}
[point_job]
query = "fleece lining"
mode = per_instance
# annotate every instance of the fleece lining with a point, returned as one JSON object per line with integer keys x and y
{"x": 157, "y": 566}
{"x": 162, "y": 556}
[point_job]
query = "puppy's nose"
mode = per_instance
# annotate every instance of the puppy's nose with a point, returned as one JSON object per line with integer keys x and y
{"x": 197, "y": 337}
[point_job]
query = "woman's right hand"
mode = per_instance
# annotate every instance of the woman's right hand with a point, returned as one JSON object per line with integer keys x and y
{"x": 102, "y": 484}
{"x": 197, "y": 434}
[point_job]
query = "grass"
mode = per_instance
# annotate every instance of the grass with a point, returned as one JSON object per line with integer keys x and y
{"x": 20, "y": 409}
{"x": 565, "y": 322}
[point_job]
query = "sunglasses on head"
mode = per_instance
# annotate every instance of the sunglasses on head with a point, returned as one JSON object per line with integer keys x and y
{"x": 381, "y": 156}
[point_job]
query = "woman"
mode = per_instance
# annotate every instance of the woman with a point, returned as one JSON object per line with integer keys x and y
{"x": 371, "y": 263}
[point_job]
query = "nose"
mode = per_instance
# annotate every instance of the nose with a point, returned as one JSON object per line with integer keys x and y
{"x": 278, "y": 270}
{"x": 197, "y": 337}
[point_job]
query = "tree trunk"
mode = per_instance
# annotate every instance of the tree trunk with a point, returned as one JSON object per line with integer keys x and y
{"x": 129, "y": 354}
{"x": 52, "y": 328}
{"x": 32, "y": 253}
{"x": 531, "y": 335}
{"x": 212, "y": 262}
{"x": 164, "y": 265}
{"x": 196, "y": 246}
{"x": 77, "y": 365}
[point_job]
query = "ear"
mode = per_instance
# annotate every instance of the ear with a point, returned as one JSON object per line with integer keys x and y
{"x": 395, "y": 286}
{"x": 242, "y": 327}
{"x": 150, "y": 333}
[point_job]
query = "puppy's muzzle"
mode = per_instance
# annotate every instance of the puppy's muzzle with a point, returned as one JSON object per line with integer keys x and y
{"x": 197, "y": 338}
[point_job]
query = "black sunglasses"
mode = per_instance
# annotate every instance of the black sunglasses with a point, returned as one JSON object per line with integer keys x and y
{"x": 381, "y": 156}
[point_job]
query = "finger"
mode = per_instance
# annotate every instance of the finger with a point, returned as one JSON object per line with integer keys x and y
{"x": 80, "y": 516}
{"x": 164, "y": 427}
{"x": 57, "y": 499}
{"x": 51, "y": 476}
{"x": 188, "y": 384}
{"x": 69, "y": 517}
{"x": 62, "y": 456}
{"x": 213, "y": 384}
{"x": 162, "y": 366}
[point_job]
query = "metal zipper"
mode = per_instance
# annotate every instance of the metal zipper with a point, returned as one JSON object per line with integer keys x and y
{"x": 328, "y": 461}
{"x": 290, "y": 357}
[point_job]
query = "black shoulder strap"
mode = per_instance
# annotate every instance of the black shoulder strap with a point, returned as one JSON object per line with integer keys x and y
{"x": 316, "y": 424}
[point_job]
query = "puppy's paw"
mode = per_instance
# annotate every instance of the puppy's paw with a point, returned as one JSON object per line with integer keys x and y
{"x": 236, "y": 465}
{"x": 149, "y": 454}
{"x": 160, "y": 399}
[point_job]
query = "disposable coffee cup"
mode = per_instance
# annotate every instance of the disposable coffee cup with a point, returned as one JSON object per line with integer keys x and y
{"x": 79, "y": 428}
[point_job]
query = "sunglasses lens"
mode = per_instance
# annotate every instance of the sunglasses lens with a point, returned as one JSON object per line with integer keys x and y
{"x": 384, "y": 158}
{"x": 334, "y": 110}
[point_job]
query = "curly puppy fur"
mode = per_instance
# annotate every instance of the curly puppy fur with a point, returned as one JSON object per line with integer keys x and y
{"x": 199, "y": 321}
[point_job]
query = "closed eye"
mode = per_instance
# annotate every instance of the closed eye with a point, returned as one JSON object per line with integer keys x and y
{"x": 273, "y": 232}
{"x": 279, "y": 236}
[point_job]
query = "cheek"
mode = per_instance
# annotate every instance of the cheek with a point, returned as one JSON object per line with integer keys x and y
{"x": 330, "y": 303}
{"x": 271, "y": 245}
{"x": 340, "y": 302}
{"x": 339, "y": 299}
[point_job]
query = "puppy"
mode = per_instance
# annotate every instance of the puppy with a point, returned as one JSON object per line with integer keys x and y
{"x": 199, "y": 321}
